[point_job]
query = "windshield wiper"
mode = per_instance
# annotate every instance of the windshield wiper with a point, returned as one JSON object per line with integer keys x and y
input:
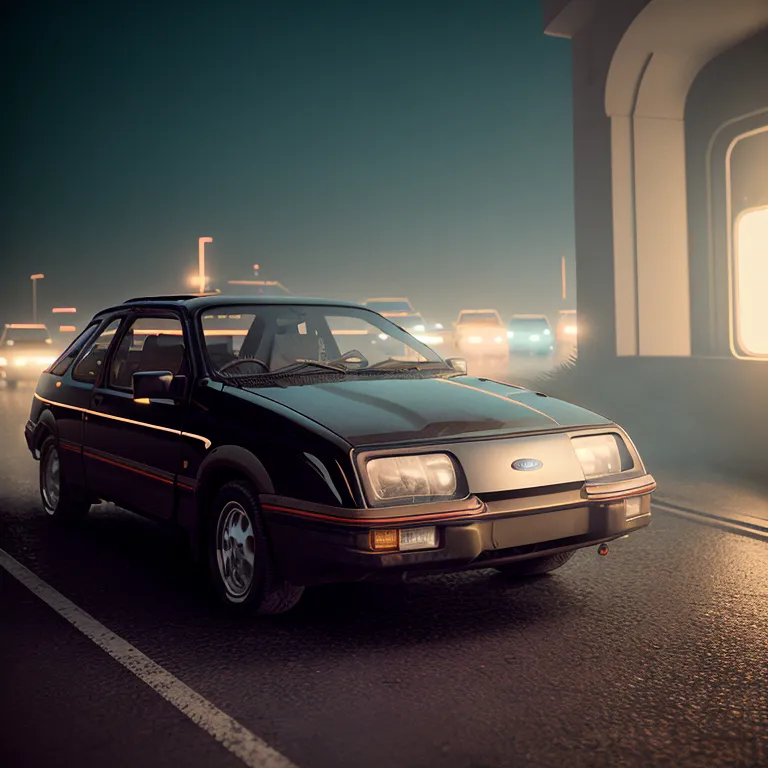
{"x": 393, "y": 364}
{"x": 301, "y": 364}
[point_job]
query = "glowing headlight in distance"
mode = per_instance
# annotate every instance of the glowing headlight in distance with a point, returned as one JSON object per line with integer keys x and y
{"x": 406, "y": 477}
{"x": 510, "y": 334}
{"x": 383, "y": 336}
{"x": 419, "y": 328}
{"x": 601, "y": 455}
{"x": 20, "y": 361}
{"x": 430, "y": 339}
{"x": 535, "y": 337}
{"x": 570, "y": 330}
{"x": 475, "y": 339}
{"x": 498, "y": 339}
{"x": 3, "y": 362}
{"x": 45, "y": 360}
{"x": 547, "y": 332}
{"x": 438, "y": 326}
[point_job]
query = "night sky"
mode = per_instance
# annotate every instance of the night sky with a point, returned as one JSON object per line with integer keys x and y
{"x": 353, "y": 148}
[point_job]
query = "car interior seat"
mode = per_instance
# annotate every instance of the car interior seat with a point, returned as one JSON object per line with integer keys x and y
{"x": 162, "y": 353}
{"x": 289, "y": 346}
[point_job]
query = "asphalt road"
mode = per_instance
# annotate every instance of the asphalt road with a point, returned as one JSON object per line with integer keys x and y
{"x": 655, "y": 655}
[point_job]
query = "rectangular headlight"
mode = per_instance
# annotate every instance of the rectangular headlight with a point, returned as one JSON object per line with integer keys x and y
{"x": 601, "y": 455}
{"x": 409, "y": 477}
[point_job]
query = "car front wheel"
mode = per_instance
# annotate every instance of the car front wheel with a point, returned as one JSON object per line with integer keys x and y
{"x": 240, "y": 563}
{"x": 535, "y": 565}
{"x": 59, "y": 502}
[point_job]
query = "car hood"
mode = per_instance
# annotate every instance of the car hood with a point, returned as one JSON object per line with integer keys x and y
{"x": 369, "y": 412}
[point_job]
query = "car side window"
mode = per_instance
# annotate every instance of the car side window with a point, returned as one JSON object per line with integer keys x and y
{"x": 64, "y": 361}
{"x": 90, "y": 364}
{"x": 149, "y": 344}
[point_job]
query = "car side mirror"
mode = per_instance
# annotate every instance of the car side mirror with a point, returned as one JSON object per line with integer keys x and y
{"x": 152, "y": 385}
{"x": 457, "y": 363}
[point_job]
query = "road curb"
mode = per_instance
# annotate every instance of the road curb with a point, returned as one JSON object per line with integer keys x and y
{"x": 754, "y": 527}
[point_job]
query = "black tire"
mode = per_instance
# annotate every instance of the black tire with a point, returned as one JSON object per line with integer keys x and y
{"x": 60, "y": 501}
{"x": 536, "y": 565}
{"x": 265, "y": 592}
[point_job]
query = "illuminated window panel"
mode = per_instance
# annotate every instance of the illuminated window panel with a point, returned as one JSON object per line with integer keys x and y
{"x": 751, "y": 249}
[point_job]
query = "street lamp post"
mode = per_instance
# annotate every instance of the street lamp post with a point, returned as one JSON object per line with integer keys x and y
{"x": 201, "y": 241}
{"x": 562, "y": 276}
{"x": 34, "y": 279}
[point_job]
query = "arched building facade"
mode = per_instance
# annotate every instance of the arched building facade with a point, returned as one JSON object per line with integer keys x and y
{"x": 670, "y": 117}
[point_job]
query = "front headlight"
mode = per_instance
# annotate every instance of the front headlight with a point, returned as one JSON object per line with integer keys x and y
{"x": 601, "y": 455}
{"x": 3, "y": 362}
{"x": 409, "y": 477}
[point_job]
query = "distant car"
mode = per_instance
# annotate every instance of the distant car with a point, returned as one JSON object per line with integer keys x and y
{"x": 566, "y": 332}
{"x": 432, "y": 334}
{"x": 480, "y": 333}
{"x": 530, "y": 335}
{"x": 391, "y": 308}
{"x": 308, "y": 457}
{"x": 26, "y": 349}
{"x": 257, "y": 288}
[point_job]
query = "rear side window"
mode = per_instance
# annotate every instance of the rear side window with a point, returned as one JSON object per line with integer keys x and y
{"x": 90, "y": 364}
{"x": 61, "y": 366}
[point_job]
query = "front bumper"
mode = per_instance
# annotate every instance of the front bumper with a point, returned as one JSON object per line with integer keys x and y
{"x": 314, "y": 544}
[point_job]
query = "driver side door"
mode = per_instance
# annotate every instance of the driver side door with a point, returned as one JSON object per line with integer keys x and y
{"x": 133, "y": 448}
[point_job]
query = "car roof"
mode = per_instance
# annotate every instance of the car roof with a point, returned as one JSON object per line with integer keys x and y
{"x": 194, "y": 301}
{"x": 528, "y": 317}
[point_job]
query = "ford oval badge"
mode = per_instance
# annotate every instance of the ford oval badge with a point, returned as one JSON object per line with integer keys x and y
{"x": 527, "y": 465}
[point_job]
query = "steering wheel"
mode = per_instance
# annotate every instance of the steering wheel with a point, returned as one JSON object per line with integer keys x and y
{"x": 347, "y": 359}
{"x": 240, "y": 360}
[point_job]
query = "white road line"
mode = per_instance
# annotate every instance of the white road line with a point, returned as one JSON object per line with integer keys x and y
{"x": 254, "y": 752}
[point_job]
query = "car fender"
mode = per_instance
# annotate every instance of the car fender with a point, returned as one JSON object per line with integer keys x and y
{"x": 237, "y": 459}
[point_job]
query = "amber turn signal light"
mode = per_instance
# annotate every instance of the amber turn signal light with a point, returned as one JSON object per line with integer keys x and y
{"x": 384, "y": 539}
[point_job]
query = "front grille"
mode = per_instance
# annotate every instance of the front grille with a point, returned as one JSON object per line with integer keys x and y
{"x": 524, "y": 493}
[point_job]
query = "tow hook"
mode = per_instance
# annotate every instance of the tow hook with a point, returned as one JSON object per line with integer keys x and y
{"x": 602, "y": 549}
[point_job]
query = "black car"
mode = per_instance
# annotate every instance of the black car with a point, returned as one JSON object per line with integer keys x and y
{"x": 293, "y": 452}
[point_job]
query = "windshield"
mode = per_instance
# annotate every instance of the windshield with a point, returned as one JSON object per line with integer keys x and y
{"x": 392, "y": 307}
{"x": 26, "y": 334}
{"x": 263, "y": 340}
{"x": 532, "y": 324}
{"x": 479, "y": 318}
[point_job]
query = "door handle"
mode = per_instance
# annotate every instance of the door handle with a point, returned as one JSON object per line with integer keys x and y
{"x": 98, "y": 399}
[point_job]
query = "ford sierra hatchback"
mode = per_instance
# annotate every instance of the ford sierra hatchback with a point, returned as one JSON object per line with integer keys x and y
{"x": 296, "y": 448}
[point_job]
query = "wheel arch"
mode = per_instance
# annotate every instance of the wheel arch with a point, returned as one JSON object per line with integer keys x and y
{"x": 224, "y": 464}
{"x": 45, "y": 427}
